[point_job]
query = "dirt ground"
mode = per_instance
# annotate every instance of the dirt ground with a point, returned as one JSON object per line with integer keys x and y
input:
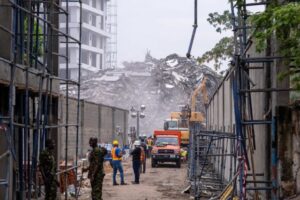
{"x": 163, "y": 182}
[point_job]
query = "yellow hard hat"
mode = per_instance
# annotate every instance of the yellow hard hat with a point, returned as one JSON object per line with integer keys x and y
{"x": 115, "y": 142}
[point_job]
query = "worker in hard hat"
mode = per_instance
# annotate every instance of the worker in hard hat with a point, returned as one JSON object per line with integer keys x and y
{"x": 136, "y": 161}
{"x": 116, "y": 154}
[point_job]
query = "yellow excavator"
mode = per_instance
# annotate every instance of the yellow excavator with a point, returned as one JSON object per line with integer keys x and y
{"x": 180, "y": 120}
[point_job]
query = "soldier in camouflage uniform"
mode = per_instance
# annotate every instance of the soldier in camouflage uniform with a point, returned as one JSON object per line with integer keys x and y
{"x": 96, "y": 173}
{"x": 48, "y": 169}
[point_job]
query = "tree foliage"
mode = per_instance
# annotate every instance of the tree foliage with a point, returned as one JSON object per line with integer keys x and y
{"x": 224, "y": 48}
{"x": 37, "y": 37}
{"x": 220, "y": 52}
{"x": 220, "y": 21}
{"x": 278, "y": 21}
{"x": 283, "y": 23}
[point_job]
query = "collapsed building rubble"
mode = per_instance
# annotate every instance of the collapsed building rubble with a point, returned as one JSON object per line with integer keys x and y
{"x": 160, "y": 84}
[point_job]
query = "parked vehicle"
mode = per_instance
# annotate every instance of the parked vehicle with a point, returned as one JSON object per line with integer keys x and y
{"x": 166, "y": 147}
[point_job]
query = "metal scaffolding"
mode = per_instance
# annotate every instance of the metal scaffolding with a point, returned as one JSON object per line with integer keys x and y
{"x": 112, "y": 29}
{"x": 242, "y": 95}
{"x": 208, "y": 155}
{"x": 211, "y": 148}
{"x": 31, "y": 113}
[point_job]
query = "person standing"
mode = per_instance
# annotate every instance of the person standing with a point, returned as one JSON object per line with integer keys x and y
{"x": 143, "y": 156}
{"x": 150, "y": 144}
{"x": 136, "y": 161}
{"x": 47, "y": 167}
{"x": 117, "y": 154}
{"x": 95, "y": 170}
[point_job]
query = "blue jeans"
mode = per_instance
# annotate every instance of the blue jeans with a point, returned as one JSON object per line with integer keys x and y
{"x": 117, "y": 165}
{"x": 136, "y": 164}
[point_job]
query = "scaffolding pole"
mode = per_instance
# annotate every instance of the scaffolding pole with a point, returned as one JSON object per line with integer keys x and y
{"x": 34, "y": 46}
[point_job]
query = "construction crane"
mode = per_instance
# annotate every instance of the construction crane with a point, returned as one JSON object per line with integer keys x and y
{"x": 195, "y": 26}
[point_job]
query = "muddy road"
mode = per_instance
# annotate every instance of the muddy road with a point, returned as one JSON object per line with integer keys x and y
{"x": 163, "y": 182}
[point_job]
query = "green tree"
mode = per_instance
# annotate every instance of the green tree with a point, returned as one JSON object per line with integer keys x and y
{"x": 37, "y": 39}
{"x": 220, "y": 52}
{"x": 224, "y": 48}
{"x": 281, "y": 22}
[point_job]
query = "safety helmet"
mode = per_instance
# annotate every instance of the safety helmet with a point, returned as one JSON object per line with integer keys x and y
{"x": 137, "y": 143}
{"x": 115, "y": 142}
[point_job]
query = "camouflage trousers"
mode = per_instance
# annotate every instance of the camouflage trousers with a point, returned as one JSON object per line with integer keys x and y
{"x": 96, "y": 185}
{"x": 50, "y": 190}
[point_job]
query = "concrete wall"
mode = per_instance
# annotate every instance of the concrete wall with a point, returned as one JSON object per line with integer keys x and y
{"x": 90, "y": 123}
{"x": 262, "y": 153}
{"x": 288, "y": 143}
{"x": 220, "y": 117}
{"x": 71, "y": 141}
{"x": 107, "y": 133}
{"x": 95, "y": 120}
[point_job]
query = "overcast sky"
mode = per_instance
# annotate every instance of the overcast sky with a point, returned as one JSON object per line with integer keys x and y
{"x": 164, "y": 27}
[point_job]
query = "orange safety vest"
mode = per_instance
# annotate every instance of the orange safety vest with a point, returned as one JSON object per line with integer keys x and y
{"x": 113, "y": 154}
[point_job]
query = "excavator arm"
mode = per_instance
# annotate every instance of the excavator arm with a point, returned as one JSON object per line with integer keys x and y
{"x": 201, "y": 88}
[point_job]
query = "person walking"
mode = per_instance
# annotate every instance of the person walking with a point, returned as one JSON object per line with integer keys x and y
{"x": 116, "y": 154}
{"x": 136, "y": 161}
{"x": 47, "y": 167}
{"x": 95, "y": 170}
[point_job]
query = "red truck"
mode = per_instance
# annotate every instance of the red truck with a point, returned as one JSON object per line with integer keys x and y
{"x": 166, "y": 147}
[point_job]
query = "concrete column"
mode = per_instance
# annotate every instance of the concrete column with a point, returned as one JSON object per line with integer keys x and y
{"x": 98, "y": 22}
{"x": 98, "y": 64}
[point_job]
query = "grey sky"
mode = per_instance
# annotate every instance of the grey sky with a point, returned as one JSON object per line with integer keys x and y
{"x": 164, "y": 27}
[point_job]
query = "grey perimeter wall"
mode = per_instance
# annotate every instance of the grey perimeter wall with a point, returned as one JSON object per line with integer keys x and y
{"x": 96, "y": 120}
{"x": 220, "y": 117}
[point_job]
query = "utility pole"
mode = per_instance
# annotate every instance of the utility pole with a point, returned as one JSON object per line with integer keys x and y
{"x": 138, "y": 114}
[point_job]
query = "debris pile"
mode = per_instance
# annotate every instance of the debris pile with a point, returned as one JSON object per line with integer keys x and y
{"x": 159, "y": 84}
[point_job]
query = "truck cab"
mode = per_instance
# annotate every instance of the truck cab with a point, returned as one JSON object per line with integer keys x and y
{"x": 166, "y": 147}
{"x": 176, "y": 124}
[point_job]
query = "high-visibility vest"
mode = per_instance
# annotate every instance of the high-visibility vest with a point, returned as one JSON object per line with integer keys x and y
{"x": 149, "y": 141}
{"x": 113, "y": 154}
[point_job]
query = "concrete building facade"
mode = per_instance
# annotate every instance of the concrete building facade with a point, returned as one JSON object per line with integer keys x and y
{"x": 93, "y": 37}
{"x": 25, "y": 83}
